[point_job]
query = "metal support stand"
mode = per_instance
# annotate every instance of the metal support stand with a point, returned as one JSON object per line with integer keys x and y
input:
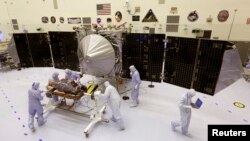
{"x": 231, "y": 26}
{"x": 164, "y": 60}
{"x": 151, "y": 85}
{"x": 95, "y": 118}
{"x": 50, "y": 48}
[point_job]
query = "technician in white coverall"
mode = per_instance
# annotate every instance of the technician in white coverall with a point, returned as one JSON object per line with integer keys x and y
{"x": 185, "y": 112}
{"x": 114, "y": 102}
{"x": 135, "y": 85}
{"x": 35, "y": 106}
{"x": 54, "y": 79}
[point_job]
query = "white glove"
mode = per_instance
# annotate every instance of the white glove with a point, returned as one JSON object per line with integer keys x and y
{"x": 136, "y": 86}
{"x": 97, "y": 93}
{"x": 187, "y": 106}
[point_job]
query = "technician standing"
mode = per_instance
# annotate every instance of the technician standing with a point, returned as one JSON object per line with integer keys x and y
{"x": 72, "y": 75}
{"x": 54, "y": 79}
{"x": 114, "y": 102}
{"x": 35, "y": 106}
{"x": 136, "y": 81}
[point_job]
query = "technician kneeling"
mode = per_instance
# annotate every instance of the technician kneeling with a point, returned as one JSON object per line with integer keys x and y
{"x": 185, "y": 111}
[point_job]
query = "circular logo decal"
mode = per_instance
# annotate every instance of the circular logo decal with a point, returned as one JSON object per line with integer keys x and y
{"x": 61, "y": 20}
{"x": 193, "y": 16}
{"x": 223, "y": 15}
{"x": 98, "y": 20}
{"x": 53, "y": 19}
{"x": 45, "y": 19}
{"x": 109, "y": 20}
{"x": 239, "y": 105}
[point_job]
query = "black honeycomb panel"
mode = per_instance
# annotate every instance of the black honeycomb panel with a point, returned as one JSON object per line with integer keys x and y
{"x": 181, "y": 53}
{"x": 145, "y": 51}
{"x": 154, "y": 73}
{"x": 178, "y": 70}
{"x": 178, "y": 73}
{"x": 211, "y": 53}
{"x": 33, "y": 49}
{"x": 144, "y": 39}
{"x": 206, "y": 80}
{"x": 182, "y": 84}
{"x": 39, "y": 47}
{"x": 64, "y": 48}
{"x": 156, "y": 50}
{"x": 23, "y": 49}
{"x": 169, "y": 71}
{"x": 171, "y": 54}
{"x": 209, "y": 65}
{"x": 187, "y": 50}
{"x": 182, "y": 49}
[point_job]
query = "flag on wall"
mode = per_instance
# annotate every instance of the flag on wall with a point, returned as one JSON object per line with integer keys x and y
{"x": 103, "y": 9}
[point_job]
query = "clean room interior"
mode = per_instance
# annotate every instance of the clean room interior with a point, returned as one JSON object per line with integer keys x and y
{"x": 174, "y": 45}
{"x": 149, "y": 121}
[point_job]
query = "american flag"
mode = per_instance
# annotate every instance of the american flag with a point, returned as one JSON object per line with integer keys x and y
{"x": 103, "y": 9}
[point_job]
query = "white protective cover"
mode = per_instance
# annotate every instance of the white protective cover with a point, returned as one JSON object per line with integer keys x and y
{"x": 96, "y": 55}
